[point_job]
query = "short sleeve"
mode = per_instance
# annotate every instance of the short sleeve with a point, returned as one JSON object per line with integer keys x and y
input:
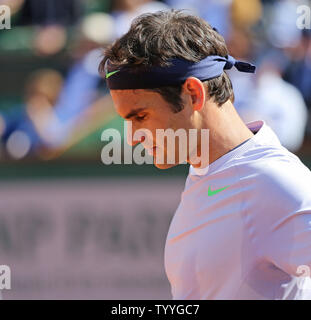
{"x": 284, "y": 216}
{"x": 289, "y": 243}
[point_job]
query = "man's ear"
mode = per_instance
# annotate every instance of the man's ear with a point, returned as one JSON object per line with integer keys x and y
{"x": 195, "y": 89}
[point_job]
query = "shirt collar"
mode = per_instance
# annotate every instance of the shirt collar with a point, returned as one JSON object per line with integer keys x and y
{"x": 257, "y": 127}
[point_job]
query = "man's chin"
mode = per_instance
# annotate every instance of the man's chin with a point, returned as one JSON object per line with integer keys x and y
{"x": 164, "y": 166}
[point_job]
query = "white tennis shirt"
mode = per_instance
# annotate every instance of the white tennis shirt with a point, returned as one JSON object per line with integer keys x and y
{"x": 251, "y": 240}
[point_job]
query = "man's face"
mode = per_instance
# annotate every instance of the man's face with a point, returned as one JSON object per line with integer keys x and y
{"x": 148, "y": 110}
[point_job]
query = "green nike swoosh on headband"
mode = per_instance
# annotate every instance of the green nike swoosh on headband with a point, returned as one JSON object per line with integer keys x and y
{"x": 213, "y": 192}
{"x": 111, "y": 73}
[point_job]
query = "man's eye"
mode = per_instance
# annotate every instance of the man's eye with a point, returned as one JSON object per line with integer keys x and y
{"x": 140, "y": 118}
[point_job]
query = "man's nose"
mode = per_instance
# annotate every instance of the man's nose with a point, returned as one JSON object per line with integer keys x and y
{"x": 131, "y": 141}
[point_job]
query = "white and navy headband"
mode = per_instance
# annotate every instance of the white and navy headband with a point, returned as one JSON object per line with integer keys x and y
{"x": 177, "y": 72}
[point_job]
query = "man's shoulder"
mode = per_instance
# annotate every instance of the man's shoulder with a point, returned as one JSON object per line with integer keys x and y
{"x": 279, "y": 166}
{"x": 279, "y": 179}
{"x": 277, "y": 189}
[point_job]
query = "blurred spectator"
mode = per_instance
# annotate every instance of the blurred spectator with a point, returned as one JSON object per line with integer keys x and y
{"x": 51, "y": 119}
{"x": 80, "y": 91}
{"x": 124, "y": 11}
{"x": 246, "y": 13}
{"x": 281, "y": 26}
{"x": 98, "y": 28}
{"x": 44, "y": 12}
{"x": 266, "y": 95}
{"x": 18, "y": 131}
{"x": 241, "y": 46}
{"x": 55, "y": 117}
{"x": 15, "y": 5}
{"x": 298, "y": 71}
{"x": 216, "y": 12}
{"x": 49, "y": 40}
{"x": 280, "y": 104}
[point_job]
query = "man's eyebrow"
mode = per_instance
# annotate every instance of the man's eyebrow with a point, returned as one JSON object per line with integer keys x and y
{"x": 134, "y": 113}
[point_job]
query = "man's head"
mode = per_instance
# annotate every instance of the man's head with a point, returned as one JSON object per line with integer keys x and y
{"x": 153, "y": 40}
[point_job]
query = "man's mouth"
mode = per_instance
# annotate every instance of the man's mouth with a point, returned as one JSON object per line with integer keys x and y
{"x": 151, "y": 151}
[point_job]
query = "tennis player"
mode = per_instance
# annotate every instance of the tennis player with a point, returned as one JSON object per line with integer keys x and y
{"x": 243, "y": 227}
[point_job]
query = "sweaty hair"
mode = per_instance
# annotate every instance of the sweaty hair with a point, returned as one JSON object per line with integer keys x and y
{"x": 155, "y": 38}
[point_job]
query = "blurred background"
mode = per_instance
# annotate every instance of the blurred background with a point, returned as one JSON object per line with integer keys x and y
{"x": 72, "y": 227}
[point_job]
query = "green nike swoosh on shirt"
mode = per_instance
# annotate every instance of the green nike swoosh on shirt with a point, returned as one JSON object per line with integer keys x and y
{"x": 111, "y": 73}
{"x": 213, "y": 192}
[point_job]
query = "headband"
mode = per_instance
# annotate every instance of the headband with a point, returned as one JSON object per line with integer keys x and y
{"x": 176, "y": 73}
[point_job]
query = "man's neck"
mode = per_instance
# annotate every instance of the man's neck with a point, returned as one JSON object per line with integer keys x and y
{"x": 226, "y": 131}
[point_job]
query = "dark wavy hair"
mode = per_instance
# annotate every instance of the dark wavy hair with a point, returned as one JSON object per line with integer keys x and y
{"x": 155, "y": 38}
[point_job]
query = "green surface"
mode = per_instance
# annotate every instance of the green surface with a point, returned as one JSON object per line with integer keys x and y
{"x": 92, "y": 145}
{"x": 56, "y": 170}
{"x": 90, "y": 169}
